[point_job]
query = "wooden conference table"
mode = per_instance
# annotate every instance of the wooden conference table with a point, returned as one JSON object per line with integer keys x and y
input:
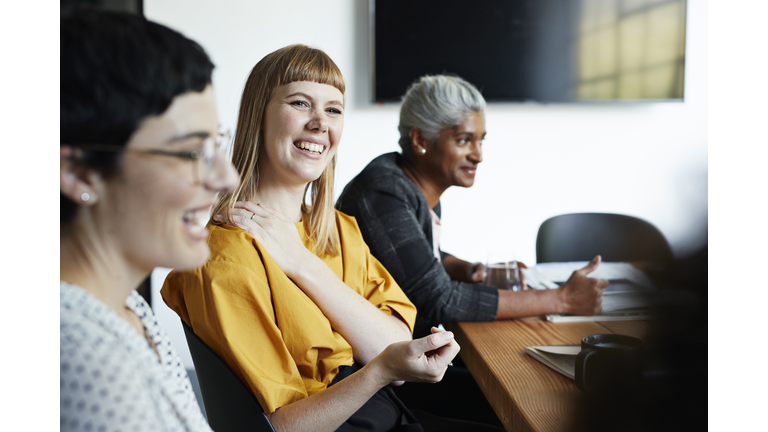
{"x": 525, "y": 394}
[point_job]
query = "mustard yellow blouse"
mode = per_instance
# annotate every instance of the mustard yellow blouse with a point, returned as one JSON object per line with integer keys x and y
{"x": 264, "y": 326}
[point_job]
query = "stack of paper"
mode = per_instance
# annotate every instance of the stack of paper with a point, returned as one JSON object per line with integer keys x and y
{"x": 561, "y": 358}
{"x": 547, "y": 275}
{"x": 630, "y": 295}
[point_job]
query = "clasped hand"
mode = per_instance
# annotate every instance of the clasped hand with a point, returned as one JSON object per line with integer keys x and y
{"x": 421, "y": 360}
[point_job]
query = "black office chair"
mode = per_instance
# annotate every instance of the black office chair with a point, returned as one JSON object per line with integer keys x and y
{"x": 581, "y": 236}
{"x": 229, "y": 404}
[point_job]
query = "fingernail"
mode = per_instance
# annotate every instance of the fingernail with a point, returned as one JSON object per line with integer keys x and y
{"x": 447, "y": 336}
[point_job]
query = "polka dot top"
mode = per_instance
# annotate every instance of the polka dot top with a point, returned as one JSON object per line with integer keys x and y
{"x": 112, "y": 379}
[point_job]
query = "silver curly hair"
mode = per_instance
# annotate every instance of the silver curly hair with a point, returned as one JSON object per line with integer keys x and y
{"x": 434, "y": 103}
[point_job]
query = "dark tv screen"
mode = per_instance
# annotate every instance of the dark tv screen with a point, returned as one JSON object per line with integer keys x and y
{"x": 534, "y": 50}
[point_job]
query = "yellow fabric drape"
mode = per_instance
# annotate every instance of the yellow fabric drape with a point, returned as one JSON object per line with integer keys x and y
{"x": 265, "y": 327}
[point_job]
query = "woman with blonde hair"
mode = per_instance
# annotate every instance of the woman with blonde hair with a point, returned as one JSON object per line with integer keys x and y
{"x": 291, "y": 298}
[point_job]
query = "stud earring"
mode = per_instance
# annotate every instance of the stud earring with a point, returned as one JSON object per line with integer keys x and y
{"x": 85, "y": 196}
{"x": 423, "y": 151}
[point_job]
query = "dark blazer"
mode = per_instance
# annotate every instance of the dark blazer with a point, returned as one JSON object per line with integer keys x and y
{"x": 395, "y": 221}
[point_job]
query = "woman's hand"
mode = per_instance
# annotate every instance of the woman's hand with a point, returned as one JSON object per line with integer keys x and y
{"x": 477, "y": 271}
{"x": 275, "y": 232}
{"x": 582, "y": 295}
{"x": 420, "y": 360}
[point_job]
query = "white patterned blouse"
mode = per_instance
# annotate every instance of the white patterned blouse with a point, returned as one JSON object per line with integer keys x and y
{"x": 112, "y": 379}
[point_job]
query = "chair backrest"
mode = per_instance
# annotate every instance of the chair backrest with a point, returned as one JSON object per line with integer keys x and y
{"x": 229, "y": 404}
{"x": 581, "y": 236}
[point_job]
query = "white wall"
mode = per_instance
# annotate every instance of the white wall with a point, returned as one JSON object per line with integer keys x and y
{"x": 645, "y": 160}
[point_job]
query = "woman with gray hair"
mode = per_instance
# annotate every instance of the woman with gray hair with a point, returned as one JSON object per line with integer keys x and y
{"x": 396, "y": 201}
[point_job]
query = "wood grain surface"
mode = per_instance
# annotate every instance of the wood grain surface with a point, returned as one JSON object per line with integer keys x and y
{"x": 525, "y": 394}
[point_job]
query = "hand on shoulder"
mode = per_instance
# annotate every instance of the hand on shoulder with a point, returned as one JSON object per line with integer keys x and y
{"x": 275, "y": 232}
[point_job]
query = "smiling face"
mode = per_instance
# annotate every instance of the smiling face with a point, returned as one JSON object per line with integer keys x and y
{"x": 154, "y": 210}
{"x": 302, "y": 128}
{"x": 453, "y": 158}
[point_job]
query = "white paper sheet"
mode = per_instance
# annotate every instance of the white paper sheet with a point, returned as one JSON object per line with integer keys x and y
{"x": 544, "y": 275}
{"x": 560, "y": 349}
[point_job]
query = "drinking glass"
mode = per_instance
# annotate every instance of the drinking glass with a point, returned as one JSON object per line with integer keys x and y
{"x": 502, "y": 271}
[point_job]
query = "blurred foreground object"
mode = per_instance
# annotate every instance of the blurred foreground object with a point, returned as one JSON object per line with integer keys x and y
{"x": 674, "y": 394}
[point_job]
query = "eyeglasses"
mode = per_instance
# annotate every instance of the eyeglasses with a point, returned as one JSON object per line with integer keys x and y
{"x": 204, "y": 159}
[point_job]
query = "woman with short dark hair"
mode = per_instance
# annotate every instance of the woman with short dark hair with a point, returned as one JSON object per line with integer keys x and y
{"x": 140, "y": 169}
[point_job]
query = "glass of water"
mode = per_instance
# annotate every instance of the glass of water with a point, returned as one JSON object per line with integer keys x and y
{"x": 502, "y": 271}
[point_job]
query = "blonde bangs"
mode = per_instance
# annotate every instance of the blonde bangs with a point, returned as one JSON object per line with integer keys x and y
{"x": 308, "y": 64}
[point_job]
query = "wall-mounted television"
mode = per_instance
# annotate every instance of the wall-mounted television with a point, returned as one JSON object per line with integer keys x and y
{"x": 550, "y": 51}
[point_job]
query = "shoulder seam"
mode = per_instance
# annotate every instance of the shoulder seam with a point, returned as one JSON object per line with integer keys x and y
{"x": 231, "y": 263}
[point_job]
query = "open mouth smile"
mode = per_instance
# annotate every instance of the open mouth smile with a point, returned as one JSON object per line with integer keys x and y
{"x": 310, "y": 147}
{"x": 195, "y": 220}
